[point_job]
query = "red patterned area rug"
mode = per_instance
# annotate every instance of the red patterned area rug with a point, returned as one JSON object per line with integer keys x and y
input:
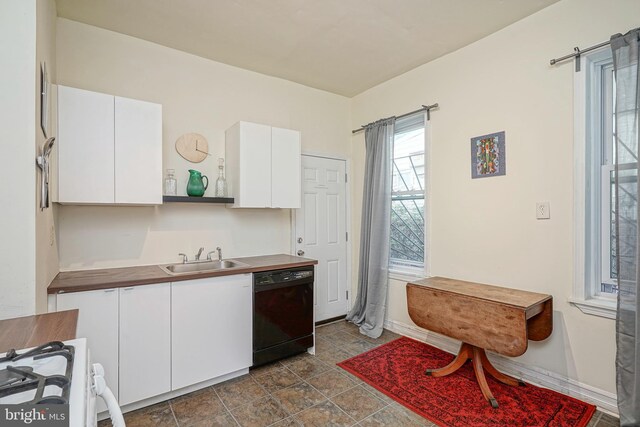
{"x": 397, "y": 369}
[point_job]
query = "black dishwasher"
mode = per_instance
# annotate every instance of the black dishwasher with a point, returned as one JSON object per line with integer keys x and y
{"x": 282, "y": 313}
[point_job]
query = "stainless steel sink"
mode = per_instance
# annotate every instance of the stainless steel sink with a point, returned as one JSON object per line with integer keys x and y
{"x": 202, "y": 266}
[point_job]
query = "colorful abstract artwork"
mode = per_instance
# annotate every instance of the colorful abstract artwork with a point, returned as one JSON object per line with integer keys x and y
{"x": 488, "y": 157}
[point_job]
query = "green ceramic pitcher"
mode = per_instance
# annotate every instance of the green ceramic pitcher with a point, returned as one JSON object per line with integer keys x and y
{"x": 196, "y": 187}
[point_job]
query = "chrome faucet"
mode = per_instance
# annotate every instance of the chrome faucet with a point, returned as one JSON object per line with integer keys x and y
{"x": 185, "y": 258}
{"x": 219, "y": 250}
{"x": 199, "y": 253}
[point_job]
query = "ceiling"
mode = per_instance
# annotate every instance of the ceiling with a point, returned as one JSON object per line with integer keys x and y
{"x": 341, "y": 46}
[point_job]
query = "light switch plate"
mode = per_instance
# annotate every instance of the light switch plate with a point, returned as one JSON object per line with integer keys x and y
{"x": 542, "y": 210}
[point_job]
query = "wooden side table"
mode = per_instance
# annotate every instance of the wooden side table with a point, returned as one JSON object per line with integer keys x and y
{"x": 483, "y": 317}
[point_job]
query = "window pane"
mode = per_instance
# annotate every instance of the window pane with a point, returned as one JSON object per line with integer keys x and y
{"x": 408, "y": 173}
{"x": 407, "y": 232}
{"x": 407, "y": 202}
{"x": 605, "y": 121}
{"x": 627, "y": 228}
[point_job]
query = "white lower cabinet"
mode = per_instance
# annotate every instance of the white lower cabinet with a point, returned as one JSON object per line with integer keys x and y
{"x": 152, "y": 339}
{"x": 98, "y": 323}
{"x": 145, "y": 342}
{"x": 211, "y": 325}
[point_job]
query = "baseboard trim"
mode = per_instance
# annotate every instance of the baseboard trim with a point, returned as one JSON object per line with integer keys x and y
{"x": 173, "y": 394}
{"x": 332, "y": 320}
{"x": 604, "y": 400}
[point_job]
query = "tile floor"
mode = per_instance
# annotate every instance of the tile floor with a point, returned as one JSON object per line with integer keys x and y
{"x": 302, "y": 391}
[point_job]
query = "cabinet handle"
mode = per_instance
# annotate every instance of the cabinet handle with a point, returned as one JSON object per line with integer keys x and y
{"x": 129, "y": 288}
{"x": 109, "y": 290}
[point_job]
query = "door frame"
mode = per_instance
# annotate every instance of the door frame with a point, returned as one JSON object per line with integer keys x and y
{"x": 347, "y": 197}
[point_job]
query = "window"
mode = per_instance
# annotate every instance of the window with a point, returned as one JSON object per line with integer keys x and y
{"x": 603, "y": 151}
{"x": 595, "y": 284}
{"x": 407, "y": 245}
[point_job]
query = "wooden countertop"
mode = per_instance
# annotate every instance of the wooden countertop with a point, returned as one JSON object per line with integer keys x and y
{"x": 88, "y": 280}
{"x": 31, "y": 331}
{"x": 507, "y": 296}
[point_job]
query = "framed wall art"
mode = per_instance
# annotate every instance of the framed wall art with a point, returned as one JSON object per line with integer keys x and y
{"x": 488, "y": 156}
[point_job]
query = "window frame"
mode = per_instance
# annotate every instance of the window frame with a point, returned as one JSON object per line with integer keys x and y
{"x": 589, "y": 206}
{"x": 400, "y": 272}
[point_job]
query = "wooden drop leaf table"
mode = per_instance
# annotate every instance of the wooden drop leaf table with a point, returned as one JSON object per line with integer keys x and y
{"x": 483, "y": 317}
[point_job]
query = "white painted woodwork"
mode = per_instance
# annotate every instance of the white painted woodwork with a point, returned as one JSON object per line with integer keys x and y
{"x": 138, "y": 152}
{"x": 85, "y": 146}
{"x": 211, "y": 324}
{"x": 285, "y": 168}
{"x": 98, "y": 323}
{"x": 145, "y": 342}
{"x": 248, "y": 158}
{"x": 263, "y": 166}
{"x": 321, "y": 224}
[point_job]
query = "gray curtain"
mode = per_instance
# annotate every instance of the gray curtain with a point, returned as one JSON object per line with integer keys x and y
{"x": 625, "y": 62}
{"x": 373, "y": 278}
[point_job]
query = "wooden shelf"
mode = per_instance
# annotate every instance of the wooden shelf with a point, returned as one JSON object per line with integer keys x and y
{"x": 187, "y": 199}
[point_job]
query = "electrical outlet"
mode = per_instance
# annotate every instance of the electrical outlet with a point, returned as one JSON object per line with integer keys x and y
{"x": 542, "y": 210}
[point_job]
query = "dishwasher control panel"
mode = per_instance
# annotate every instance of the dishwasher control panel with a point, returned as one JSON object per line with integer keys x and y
{"x": 283, "y": 276}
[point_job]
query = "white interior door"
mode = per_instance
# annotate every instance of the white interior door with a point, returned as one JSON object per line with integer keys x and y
{"x": 321, "y": 232}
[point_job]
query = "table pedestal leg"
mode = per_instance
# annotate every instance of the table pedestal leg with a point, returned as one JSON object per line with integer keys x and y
{"x": 480, "y": 364}
{"x": 465, "y": 353}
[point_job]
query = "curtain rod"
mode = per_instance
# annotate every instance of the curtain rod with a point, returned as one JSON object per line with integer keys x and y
{"x": 426, "y": 108}
{"x": 576, "y": 54}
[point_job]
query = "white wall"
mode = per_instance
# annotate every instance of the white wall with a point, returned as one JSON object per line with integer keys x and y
{"x": 46, "y": 250}
{"x": 198, "y": 95}
{"x": 485, "y": 230}
{"x": 17, "y": 136}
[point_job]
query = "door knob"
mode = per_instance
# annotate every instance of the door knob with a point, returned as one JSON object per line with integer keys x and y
{"x": 300, "y": 252}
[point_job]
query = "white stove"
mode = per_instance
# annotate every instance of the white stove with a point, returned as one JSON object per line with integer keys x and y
{"x": 57, "y": 373}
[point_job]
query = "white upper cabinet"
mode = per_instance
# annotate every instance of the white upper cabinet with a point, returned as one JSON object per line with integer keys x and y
{"x": 263, "y": 166}
{"x": 138, "y": 152}
{"x": 109, "y": 149}
{"x": 248, "y": 159}
{"x": 85, "y": 146}
{"x": 285, "y": 168}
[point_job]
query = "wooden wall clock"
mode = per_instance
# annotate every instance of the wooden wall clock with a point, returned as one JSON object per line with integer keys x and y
{"x": 193, "y": 147}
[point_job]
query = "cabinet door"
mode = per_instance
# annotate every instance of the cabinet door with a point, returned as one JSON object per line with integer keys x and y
{"x": 98, "y": 323}
{"x": 85, "y": 146}
{"x": 138, "y": 152}
{"x": 285, "y": 168}
{"x": 145, "y": 342}
{"x": 211, "y": 328}
{"x": 255, "y": 166}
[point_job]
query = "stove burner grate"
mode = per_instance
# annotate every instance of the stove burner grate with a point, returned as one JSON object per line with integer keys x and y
{"x": 18, "y": 379}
